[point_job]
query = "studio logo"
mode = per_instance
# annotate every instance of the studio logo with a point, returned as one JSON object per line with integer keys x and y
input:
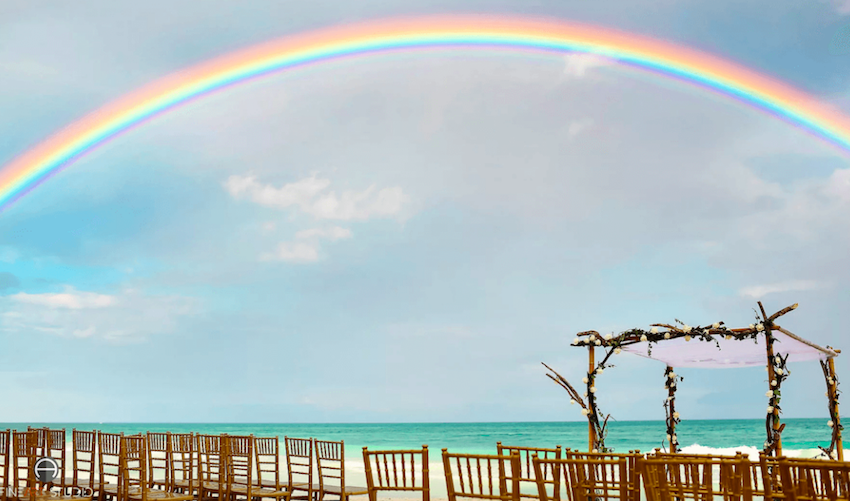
{"x": 46, "y": 470}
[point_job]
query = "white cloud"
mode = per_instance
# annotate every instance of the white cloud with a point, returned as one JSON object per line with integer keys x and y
{"x": 68, "y": 300}
{"x": 128, "y": 315}
{"x": 759, "y": 291}
{"x": 306, "y": 247}
{"x": 307, "y": 195}
{"x": 577, "y": 126}
{"x": 577, "y": 65}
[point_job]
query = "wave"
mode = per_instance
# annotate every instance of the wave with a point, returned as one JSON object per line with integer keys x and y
{"x": 752, "y": 452}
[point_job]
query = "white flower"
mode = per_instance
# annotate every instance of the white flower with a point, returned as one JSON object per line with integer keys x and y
{"x": 830, "y": 423}
{"x": 675, "y": 439}
{"x": 584, "y": 412}
{"x": 826, "y": 394}
{"x": 595, "y": 451}
{"x": 599, "y": 371}
{"x": 572, "y": 401}
{"x": 668, "y": 436}
{"x": 687, "y": 328}
{"x": 769, "y": 409}
{"x": 769, "y": 394}
{"x": 666, "y": 387}
{"x": 687, "y": 338}
{"x": 673, "y": 384}
{"x": 609, "y": 336}
{"x": 716, "y": 325}
{"x": 831, "y": 381}
{"x": 591, "y": 337}
{"x": 773, "y": 383}
{"x": 597, "y": 342}
{"x": 576, "y": 341}
{"x": 643, "y": 337}
{"x": 584, "y": 380}
{"x": 759, "y": 327}
{"x": 751, "y": 326}
{"x": 585, "y": 394}
{"x": 778, "y": 359}
{"x": 779, "y": 371}
{"x": 617, "y": 351}
{"x": 666, "y": 335}
{"x": 728, "y": 336}
{"x": 675, "y": 415}
{"x": 672, "y": 374}
{"x": 669, "y": 398}
{"x": 654, "y": 330}
{"x": 592, "y": 389}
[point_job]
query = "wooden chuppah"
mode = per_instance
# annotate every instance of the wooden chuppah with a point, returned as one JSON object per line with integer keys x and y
{"x": 771, "y": 346}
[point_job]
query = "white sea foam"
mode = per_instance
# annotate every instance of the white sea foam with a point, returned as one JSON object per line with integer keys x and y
{"x": 752, "y": 452}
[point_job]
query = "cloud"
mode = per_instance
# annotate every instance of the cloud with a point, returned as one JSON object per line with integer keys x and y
{"x": 307, "y": 195}
{"x": 68, "y": 300}
{"x": 128, "y": 315}
{"x": 759, "y": 291}
{"x": 8, "y": 281}
{"x": 841, "y": 6}
{"x": 577, "y": 126}
{"x": 577, "y": 65}
{"x": 306, "y": 247}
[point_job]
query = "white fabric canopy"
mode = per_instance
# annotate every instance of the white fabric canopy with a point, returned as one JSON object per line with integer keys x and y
{"x": 732, "y": 353}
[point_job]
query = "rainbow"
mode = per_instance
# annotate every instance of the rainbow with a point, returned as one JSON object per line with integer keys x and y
{"x": 59, "y": 151}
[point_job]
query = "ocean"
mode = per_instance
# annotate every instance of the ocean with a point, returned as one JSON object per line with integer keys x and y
{"x": 799, "y": 434}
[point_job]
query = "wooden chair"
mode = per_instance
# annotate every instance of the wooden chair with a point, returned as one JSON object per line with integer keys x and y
{"x": 55, "y": 448}
{"x": 528, "y": 478}
{"x": 671, "y": 478}
{"x": 582, "y": 478}
{"x": 83, "y": 460}
{"x": 299, "y": 466}
{"x": 239, "y": 466}
{"x": 267, "y": 454}
{"x": 211, "y": 471}
{"x": 472, "y": 476}
{"x": 330, "y": 462}
{"x": 5, "y": 462}
{"x": 182, "y": 462}
{"x": 813, "y": 479}
{"x": 159, "y": 459}
{"x": 108, "y": 464}
{"x": 395, "y": 471}
{"x": 632, "y": 479}
{"x": 134, "y": 484}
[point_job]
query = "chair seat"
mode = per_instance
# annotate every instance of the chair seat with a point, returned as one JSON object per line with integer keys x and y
{"x": 136, "y": 493}
{"x": 263, "y": 492}
{"x": 350, "y": 490}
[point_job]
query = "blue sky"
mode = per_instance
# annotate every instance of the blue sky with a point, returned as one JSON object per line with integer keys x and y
{"x": 407, "y": 237}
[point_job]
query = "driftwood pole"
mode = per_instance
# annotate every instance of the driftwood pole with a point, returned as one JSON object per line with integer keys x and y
{"x": 670, "y": 405}
{"x": 591, "y": 368}
{"x": 833, "y": 397}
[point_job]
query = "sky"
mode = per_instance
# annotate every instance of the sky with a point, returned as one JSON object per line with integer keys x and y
{"x": 406, "y": 237}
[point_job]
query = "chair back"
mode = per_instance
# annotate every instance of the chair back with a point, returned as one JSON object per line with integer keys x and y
{"x": 299, "y": 465}
{"x": 696, "y": 478}
{"x": 24, "y": 451}
{"x": 54, "y": 448}
{"x": 482, "y": 476}
{"x": 211, "y": 467}
{"x": 813, "y": 479}
{"x": 109, "y": 458}
{"x": 158, "y": 447}
{"x": 83, "y": 448}
{"x": 632, "y": 479}
{"x": 528, "y": 479}
{"x": 239, "y": 465}
{"x": 133, "y": 462}
{"x": 396, "y": 471}
{"x": 5, "y": 462}
{"x": 182, "y": 462}
{"x": 330, "y": 463}
{"x": 267, "y": 453}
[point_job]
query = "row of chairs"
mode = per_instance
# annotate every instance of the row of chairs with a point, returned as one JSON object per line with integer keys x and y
{"x": 185, "y": 467}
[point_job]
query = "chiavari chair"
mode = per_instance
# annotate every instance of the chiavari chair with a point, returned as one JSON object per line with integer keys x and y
{"x": 330, "y": 463}
{"x": 632, "y": 481}
{"x": 528, "y": 478}
{"x": 183, "y": 461}
{"x": 83, "y": 461}
{"x": 670, "y": 478}
{"x": 134, "y": 484}
{"x": 5, "y": 462}
{"x": 239, "y": 466}
{"x": 299, "y": 466}
{"x": 267, "y": 455}
{"x": 211, "y": 471}
{"x": 159, "y": 459}
{"x": 108, "y": 464}
{"x": 396, "y": 471}
{"x": 813, "y": 479}
{"x": 585, "y": 477}
{"x": 482, "y": 476}
{"x": 25, "y": 485}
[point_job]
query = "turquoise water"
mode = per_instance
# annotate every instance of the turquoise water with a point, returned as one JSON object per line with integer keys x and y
{"x": 482, "y": 437}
